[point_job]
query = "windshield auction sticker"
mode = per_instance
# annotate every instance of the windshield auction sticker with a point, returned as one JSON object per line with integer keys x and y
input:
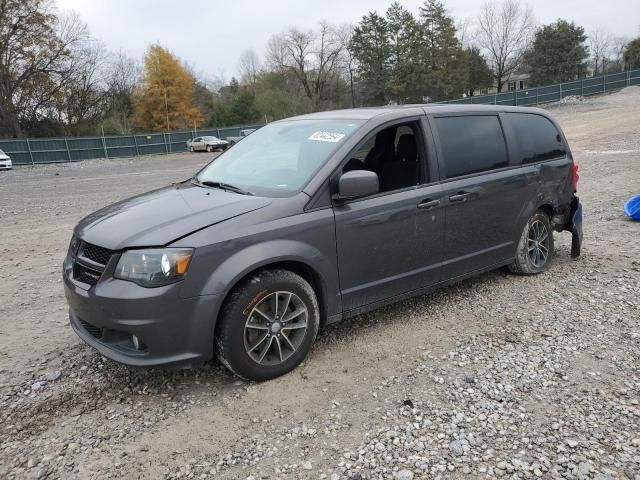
{"x": 332, "y": 137}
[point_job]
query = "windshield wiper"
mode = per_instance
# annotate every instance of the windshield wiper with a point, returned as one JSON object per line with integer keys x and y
{"x": 226, "y": 186}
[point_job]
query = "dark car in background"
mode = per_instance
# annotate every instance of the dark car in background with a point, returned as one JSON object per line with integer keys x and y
{"x": 245, "y": 132}
{"x": 314, "y": 219}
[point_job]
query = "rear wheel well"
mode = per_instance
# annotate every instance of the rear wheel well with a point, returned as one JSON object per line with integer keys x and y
{"x": 547, "y": 209}
{"x": 557, "y": 217}
{"x": 299, "y": 268}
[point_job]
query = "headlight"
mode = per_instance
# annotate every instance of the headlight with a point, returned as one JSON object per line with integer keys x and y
{"x": 74, "y": 245}
{"x": 154, "y": 267}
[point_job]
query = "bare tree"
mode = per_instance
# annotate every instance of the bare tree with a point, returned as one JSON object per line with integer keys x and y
{"x": 36, "y": 59}
{"x": 464, "y": 31}
{"x": 312, "y": 57}
{"x": 124, "y": 73}
{"x": 122, "y": 77}
{"x": 504, "y": 32}
{"x": 600, "y": 43}
{"x": 618, "y": 44}
{"x": 347, "y": 59}
{"x": 83, "y": 96}
{"x": 249, "y": 67}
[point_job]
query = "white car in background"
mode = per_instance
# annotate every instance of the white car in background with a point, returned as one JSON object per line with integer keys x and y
{"x": 5, "y": 161}
{"x": 208, "y": 143}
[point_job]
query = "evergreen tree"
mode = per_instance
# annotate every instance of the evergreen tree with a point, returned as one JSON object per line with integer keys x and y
{"x": 445, "y": 71}
{"x": 404, "y": 33}
{"x": 480, "y": 74}
{"x": 632, "y": 54}
{"x": 371, "y": 46}
{"x": 558, "y": 53}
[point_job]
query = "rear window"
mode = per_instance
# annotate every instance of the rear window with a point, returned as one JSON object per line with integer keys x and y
{"x": 471, "y": 144}
{"x": 536, "y": 138}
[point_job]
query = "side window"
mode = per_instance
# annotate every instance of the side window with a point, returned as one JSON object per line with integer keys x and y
{"x": 392, "y": 153}
{"x": 361, "y": 153}
{"x": 471, "y": 144}
{"x": 536, "y": 138}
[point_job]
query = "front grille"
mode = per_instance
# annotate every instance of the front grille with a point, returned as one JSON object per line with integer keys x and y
{"x": 95, "y": 332}
{"x": 90, "y": 262}
{"x": 86, "y": 275}
{"x": 95, "y": 253}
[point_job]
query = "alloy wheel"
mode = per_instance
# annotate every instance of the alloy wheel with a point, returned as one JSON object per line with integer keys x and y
{"x": 275, "y": 328}
{"x": 538, "y": 244}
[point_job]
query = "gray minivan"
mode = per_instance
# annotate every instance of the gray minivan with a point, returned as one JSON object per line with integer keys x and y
{"x": 313, "y": 219}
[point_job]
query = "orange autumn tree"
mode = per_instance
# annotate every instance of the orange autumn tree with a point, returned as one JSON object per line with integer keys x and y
{"x": 164, "y": 97}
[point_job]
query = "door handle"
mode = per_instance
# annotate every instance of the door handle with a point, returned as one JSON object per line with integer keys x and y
{"x": 428, "y": 204}
{"x": 459, "y": 197}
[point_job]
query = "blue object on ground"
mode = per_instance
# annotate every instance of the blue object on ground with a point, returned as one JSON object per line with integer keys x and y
{"x": 632, "y": 207}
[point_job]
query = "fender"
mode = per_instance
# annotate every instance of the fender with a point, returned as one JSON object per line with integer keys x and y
{"x": 226, "y": 276}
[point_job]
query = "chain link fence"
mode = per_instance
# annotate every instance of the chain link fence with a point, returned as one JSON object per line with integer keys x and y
{"x": 555, "y": 93}
{"x": 29, "y": 151}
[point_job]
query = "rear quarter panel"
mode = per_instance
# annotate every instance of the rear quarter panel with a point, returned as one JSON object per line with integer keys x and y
{"x": 554, "y": 177}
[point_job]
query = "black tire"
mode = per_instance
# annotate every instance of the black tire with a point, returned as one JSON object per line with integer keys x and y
{"x": 191, "y": 149}
{"x": 236, "y": 340}
{"x": 530, "y": 256}
{"x": 209, "y": 148}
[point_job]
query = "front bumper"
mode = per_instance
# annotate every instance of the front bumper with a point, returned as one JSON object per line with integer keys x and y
{"x": 171, "y": 331}
{"x": 5, "y": 164}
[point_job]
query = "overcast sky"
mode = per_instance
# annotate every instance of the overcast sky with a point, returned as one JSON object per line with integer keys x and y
{"x": 210, "y": 34}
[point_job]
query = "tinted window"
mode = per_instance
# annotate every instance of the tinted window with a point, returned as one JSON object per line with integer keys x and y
{"x": 471, "y": 144}
{"x": 393, "y": 154}
{"x": 536, "y": 138}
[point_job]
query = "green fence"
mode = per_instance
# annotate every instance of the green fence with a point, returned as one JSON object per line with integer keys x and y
{"x": 28, "y": 151}
{"x": 555, "y": 93}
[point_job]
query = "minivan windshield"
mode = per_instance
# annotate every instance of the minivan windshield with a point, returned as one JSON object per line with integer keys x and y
{"x": 279, "y": 159}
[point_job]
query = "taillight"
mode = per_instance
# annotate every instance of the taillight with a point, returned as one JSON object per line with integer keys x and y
{"x": 574, "y": 176}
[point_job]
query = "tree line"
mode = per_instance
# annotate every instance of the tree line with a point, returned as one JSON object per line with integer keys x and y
{"x": 55, "y": 79}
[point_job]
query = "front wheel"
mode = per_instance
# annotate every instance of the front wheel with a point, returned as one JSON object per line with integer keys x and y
{"x": 535, "y": 248}
{"x": 191, "y": 149}
{"x": 267, "y": 325}
{"x": 209, "y": 148}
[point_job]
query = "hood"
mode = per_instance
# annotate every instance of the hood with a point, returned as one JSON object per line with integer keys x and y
{"x": 157, "y": 218}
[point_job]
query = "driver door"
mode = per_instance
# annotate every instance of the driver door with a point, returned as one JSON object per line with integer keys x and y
{"x": 390, "y": 243}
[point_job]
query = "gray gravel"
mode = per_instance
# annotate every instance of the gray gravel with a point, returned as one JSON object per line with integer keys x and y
{"x": 500, "y": 376}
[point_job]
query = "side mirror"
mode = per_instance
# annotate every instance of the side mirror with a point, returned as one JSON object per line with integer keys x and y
{"x": 358, "y": 183}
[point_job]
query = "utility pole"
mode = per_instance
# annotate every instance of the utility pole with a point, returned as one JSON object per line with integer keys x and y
{"x": 166, "y": 107}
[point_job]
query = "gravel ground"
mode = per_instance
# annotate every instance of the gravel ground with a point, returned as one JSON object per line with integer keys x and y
{"x": 499, "y": 376}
